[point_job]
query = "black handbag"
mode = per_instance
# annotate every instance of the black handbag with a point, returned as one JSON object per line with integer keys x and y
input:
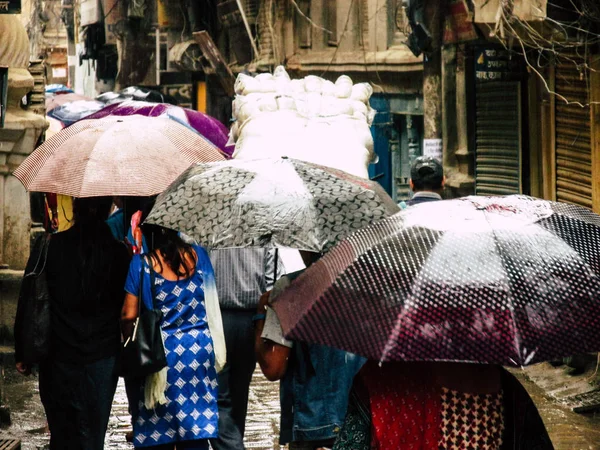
{"x": 144, "y": 353}
{"x": 32, "y": 327}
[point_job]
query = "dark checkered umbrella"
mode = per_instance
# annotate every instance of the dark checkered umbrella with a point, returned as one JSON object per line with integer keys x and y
{"x": 270, "y": 203}
{"x": 508, "y": 280}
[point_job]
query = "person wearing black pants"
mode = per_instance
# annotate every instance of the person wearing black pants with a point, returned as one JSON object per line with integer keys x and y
{"x": 242, "y": 276}
{"x": 85, "y": 270}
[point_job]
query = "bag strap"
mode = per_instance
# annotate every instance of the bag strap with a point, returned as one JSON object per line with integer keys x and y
{"x": 152, "y": 285}
{"x": 141, "y": 286}
{"x": 43, "y": 254}
{"x": 147, "y": 261}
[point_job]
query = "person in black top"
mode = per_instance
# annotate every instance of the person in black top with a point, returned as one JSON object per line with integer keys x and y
{"x": 86, "y": 270}
{"x": 426, "y": 180}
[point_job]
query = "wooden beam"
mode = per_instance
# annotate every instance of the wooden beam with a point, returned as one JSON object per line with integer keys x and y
{"x": 548, "y": 132}
{"x": 212, "y": 54}
{"x": 535, "y": 121}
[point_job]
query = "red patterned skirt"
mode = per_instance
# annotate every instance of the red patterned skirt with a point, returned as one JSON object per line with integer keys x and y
{"x": 409, "y": 412}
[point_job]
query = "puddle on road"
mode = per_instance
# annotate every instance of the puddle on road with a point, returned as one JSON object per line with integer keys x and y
{"x": 29, "y": 422}
{"x": 27, "y": 414}
{"x": 569, "y": 431}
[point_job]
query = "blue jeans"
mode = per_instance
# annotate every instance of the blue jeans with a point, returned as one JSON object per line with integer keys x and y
{"x": 77, "y": 400}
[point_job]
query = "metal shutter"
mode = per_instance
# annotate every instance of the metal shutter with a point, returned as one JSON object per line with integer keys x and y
{"x": 498, "y": 138}
{"x": 572, "y": 127}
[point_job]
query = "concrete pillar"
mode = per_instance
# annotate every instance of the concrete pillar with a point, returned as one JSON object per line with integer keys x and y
{"x": 18, "y": 138}
{"x": 458, "y": 161}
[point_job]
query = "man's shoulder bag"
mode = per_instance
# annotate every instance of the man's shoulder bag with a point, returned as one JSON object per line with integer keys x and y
{"x": 32, "y": 328}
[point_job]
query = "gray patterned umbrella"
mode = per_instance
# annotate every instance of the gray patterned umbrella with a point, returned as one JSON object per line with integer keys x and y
{"x": 269, "y": 203}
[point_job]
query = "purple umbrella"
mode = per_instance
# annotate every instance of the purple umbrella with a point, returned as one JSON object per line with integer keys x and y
{"x": 203, "y": 124}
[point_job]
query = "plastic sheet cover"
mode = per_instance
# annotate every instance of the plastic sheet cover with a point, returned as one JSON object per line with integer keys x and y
{"x": 504, "y": 280}
{"x": 270, "y": 203}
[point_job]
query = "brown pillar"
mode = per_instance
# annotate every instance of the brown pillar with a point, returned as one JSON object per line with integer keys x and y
{"x": 432, "y": 72}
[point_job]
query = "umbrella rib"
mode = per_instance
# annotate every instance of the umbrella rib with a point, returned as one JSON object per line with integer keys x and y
{"x": 510, "y": 296}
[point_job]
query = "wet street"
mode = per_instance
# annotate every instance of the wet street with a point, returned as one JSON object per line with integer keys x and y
{"x": 569, "y": 431}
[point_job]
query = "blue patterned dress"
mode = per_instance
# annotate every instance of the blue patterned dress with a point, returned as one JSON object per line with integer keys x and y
{"x": 191, "y": 410}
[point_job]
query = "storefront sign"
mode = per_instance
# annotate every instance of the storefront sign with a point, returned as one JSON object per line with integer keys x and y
{"x": 433, "y": 148}
{"x": 90, "y": 12}
{"x": 495, "y": 64}
{"x": 10, "y": 7}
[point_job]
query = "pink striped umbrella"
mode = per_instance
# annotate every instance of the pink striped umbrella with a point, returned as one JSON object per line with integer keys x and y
{"x": 132, "y": 155}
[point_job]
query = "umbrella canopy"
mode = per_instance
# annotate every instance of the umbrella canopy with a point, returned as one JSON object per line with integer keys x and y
{"x": 269, "y": 203}
{"x": 505, "y": 280}
{"x": 108, "y": 98}
{"x": 57, "y": 100}
{"x": 136, "y": 93}
{"x": 136, "y": 156}
{"x": 69, "y": 113}
{"x": 57, "y": 89}
{"x": 203, "y": 124}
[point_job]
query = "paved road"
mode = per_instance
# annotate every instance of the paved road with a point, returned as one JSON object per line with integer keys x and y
{"x": 569, "y": 431}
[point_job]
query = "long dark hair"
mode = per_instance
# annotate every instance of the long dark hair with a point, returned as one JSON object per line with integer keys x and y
{"x": 89, "y": 216}
{"x": 172, "y": 248}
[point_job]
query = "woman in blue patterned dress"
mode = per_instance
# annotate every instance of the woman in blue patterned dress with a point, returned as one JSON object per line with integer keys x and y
{"x": 183, "y": 285}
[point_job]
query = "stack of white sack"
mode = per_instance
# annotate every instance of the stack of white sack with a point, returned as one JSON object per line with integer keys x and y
{"x": 311, "y": 119}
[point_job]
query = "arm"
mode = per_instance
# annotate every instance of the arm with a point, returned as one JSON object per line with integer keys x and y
{"x": 129, "y": 313}
{"x": 272, "y": 357}
{"x": 129, "y": 309}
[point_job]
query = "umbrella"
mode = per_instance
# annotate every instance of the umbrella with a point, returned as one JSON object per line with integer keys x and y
{"x": 69, "y": 113}
{"x": 130, "y": 156}
{"x": 203, "y": 124}
{"x": 109, "y": 98}
{"x": 504, "y": 280}
{"x": 57, "y": 89}
{"x": 61, "y": 99}
{"x": 269, "y": 203}
{"x": 136, "y": 93}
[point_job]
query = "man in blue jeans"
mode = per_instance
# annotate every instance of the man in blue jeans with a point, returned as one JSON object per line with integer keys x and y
{"x": 315, "y": 379}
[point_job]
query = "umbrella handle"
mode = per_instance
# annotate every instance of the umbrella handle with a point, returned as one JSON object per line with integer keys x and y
{"x": 275, "y": 265}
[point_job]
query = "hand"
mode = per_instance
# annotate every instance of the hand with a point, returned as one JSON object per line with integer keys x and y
{"x": 263, "y": 303}
{"x": 23, "y": 368}
{"x": 54, "y": 222}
